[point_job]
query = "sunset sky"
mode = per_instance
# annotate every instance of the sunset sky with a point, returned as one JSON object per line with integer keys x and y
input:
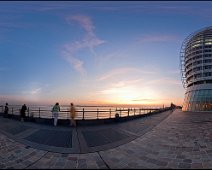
{"x": 109, "y": 52}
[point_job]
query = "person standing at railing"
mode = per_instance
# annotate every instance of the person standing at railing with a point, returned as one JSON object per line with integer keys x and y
{"x": 72, "y": 115}
{"x": 23, "y": 112}
{"x": 55, "y": 112}
{"x": 6, "y": 110}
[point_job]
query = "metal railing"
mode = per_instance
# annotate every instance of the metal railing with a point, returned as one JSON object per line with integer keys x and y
{"x": 83, "y": 113}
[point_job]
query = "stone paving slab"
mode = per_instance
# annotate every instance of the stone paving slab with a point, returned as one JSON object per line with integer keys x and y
{"x": 56, "y": 138}
{"x": 102, "y": 137}
{"x": 15, "y": 129}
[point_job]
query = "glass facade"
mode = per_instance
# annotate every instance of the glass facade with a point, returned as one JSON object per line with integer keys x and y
{"x": 198, "y": 100}
{"x": 196, "y": 70}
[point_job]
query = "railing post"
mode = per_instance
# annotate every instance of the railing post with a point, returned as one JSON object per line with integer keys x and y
{"x": 110, "y": 112}
{"x": 97, "y": 113}
{"x": 83, "y": 114}
{"x": 134, "y": 111}
{"x": 39, "y": 112}
{"x": 28, "y": 111}
{"x": 67, "y": 114}
{"x": 128, "y": 112}
{"x": 52, "y": 115}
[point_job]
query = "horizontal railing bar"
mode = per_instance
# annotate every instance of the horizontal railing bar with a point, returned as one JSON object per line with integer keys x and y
{"x": 79, "y": 110}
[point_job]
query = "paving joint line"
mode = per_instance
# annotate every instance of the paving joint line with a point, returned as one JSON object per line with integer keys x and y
{"x": 103, "y": 160}
{"x": 80, "y": 150}
{"x": 36, "y": 160}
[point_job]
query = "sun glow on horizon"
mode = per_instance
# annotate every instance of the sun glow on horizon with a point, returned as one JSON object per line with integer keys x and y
{"x": 131, "y": 95}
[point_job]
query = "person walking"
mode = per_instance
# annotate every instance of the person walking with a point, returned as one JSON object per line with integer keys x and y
{"x": 55, "y": 112}
{"x": 23, "y": 112}
{"x": 72, "y": 115}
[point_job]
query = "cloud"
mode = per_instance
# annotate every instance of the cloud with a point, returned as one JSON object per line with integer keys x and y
{"x": 111, "y": 91}
{"x": 120, "y": 71}
{"x": 69, "y": 55}
{"x": 33, "y": 91}
{"x": 84, "y": 21}
{"x": 89, "y": 41}
{"x": 138, "y": 100}
{"x": 126, "y": 83}
{"x": 36, "y": 88}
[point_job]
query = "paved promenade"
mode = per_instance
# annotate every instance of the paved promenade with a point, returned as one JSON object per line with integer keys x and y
{"x": 164, "y": 140}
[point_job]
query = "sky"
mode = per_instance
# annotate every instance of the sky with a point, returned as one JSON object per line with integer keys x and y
{"x": 96, "y": 52}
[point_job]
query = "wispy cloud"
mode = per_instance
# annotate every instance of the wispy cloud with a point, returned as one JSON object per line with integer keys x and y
{"x": 124, "y": 83}
{"x": 138, "y": 100}
{"x": 34, "y": 91}
{"x": 121, "y": 71}
{"x": 121, "y": 93}
{"x": 89, "y": 41}
{"x": 112, "y": 90}
{"x": 150, "y": 99}
{"x": 69, "y": 54}
{"x": 36, "y": 88}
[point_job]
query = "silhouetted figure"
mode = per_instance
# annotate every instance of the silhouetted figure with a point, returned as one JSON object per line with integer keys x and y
{"x": 72, "y": 115}
{"x": 23, "y": 112}
{"x": 116, "y": 117}
{"x": 6, "y": 110}
{"x": 55, "y": 112}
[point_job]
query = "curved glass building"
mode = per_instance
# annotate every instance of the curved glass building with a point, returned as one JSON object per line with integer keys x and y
{"x": 196, "y": 70}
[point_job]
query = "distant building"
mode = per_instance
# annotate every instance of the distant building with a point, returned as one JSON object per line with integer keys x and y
{"x": 196, "y": 69}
